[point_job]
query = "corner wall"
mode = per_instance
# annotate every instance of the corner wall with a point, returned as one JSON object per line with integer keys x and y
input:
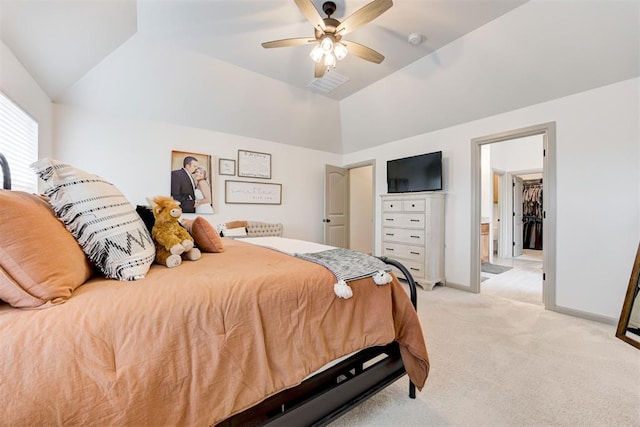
{"x": 17, "y": 84}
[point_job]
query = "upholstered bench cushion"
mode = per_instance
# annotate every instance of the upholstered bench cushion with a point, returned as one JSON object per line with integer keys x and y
{"x": 259, "y": 229}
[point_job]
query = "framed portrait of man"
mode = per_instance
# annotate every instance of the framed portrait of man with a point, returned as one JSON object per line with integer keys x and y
{"x": 191, "y": 181}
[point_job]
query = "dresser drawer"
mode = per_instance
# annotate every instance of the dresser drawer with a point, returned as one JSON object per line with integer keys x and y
{"x": 414, "y": 206}
{"x": 392, "y": 205}
{"x": 400, "y": 235}
{"x": 416, "y": 270}
{"x": 398, "y": 250}
{"x": 403, "y": 220}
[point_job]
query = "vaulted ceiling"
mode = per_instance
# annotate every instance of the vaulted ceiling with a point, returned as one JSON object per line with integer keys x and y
{"x": 60, "y": 40}
{"x": 200, "y": 62}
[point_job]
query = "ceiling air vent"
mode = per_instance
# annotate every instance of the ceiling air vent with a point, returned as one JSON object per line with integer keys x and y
{"x": 330, "y": 81}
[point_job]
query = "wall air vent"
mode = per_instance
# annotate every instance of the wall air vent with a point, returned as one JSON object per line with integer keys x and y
{"x": 327, "y": 83}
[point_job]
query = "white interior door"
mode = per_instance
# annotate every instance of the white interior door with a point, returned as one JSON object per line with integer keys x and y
{"x": 361, "y": 208}
{"x": 336, "y": 207}
{"x": 517, "y": 216}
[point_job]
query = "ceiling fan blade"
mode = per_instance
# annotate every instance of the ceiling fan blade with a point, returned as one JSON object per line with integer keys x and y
{"x": 363, "y": 52}
{"x": 363, "y": 15}
{"x": 311, "y": 13}
{"x": 288, "y": 42}
{"x": 320, "y": 69}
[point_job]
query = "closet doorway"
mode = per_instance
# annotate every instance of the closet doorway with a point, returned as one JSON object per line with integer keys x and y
{"x": 515, "y": 272}
{"x": 528, "y": 190}
{"x": 498, "y": 164}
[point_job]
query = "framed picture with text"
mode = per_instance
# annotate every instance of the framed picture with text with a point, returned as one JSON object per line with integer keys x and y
{"x": 252, "y": 164}
{"x": 227, "y": 167}
{"x": 257, "y": 193}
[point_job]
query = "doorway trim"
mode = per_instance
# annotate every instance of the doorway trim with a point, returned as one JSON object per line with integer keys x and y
{"x": 548, "y": 132}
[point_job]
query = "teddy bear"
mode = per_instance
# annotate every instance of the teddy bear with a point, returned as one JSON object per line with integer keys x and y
{"x": 173, "y": 242}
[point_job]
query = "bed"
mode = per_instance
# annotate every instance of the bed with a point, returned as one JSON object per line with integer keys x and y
{"x": 245, "y": 336}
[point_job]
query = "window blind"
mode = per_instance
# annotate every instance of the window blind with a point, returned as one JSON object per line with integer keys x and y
{"x": 19, "y": 144}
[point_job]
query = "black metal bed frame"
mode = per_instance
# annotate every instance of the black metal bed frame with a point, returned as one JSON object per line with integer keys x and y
{"x": 6, "y": 172}
{"x": 326, "y": 396}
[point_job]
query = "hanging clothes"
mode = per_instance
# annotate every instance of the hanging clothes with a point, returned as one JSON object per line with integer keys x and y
{"x": 532, "y": 214}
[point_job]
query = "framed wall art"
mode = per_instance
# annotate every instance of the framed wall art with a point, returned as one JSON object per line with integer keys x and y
{"x": 629, "y": 324}
{"x": 252, "y": 164}
{"x": 191, "y": 181}
{"x": 227, "y": 167}
{"x": 245, "y": 192}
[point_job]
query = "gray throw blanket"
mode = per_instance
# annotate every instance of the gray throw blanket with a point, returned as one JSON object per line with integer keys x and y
{"x": 347, "y": 264}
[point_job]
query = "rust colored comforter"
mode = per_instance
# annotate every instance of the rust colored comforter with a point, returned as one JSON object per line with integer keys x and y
{"x": 194, "y": 344}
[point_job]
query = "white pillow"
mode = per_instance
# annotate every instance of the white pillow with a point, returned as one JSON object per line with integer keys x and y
{"x": 104, "y": 223}
{"x": 235, "y": 232}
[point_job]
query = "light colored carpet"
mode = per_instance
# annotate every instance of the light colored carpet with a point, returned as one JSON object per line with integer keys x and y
{"x": 499, "y": 362}
{"x": 522, "y": 283}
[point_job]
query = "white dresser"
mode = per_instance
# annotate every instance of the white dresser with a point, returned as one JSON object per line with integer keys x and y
{"x": 413, "y": 234}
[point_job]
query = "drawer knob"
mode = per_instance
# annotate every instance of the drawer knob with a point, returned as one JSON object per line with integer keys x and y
{"x": 415, "y": 220}
{"x": 389, "y": 219}
{"x": 415, "y": 237}
{"x": 414, "y": 253}
{"x": 389, "y": 234}
{"x": 389, "y": 249}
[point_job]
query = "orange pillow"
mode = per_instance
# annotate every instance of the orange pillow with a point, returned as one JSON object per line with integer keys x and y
{"x": 41, "y": 263}
{"x": 206, "y": 237}
{"x": 236, "y": 224}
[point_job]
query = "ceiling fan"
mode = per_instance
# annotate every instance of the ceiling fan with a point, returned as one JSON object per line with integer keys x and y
{"x": 329, "y": 33}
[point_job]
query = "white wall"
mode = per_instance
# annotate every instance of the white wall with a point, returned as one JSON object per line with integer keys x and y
{"x": 135, "y": 155}
{"x": 517, "y": 155}
{"x": 598, "y": 220}
{"x": 151, "y": 80}
{"x": 17, "y": 84}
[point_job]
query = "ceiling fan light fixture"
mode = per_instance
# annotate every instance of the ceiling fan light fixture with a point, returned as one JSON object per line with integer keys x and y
{"x": 316, "y": 54}
{"x": 329, "y": 60}
{"x": 326, "y": 44}
{"x": 329, "y": 32}
{"x": 340, "y": 51}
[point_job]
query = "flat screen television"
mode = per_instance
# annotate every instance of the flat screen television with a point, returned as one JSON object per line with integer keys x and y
{"x": 416, "y": 173}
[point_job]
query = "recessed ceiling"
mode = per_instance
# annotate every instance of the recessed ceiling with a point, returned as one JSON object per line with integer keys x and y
{"x": 61, "y": 40}
{"x": 233, "y": 31}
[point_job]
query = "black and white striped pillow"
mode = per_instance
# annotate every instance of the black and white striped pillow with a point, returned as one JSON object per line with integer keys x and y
{"x": 102, "y": 220}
